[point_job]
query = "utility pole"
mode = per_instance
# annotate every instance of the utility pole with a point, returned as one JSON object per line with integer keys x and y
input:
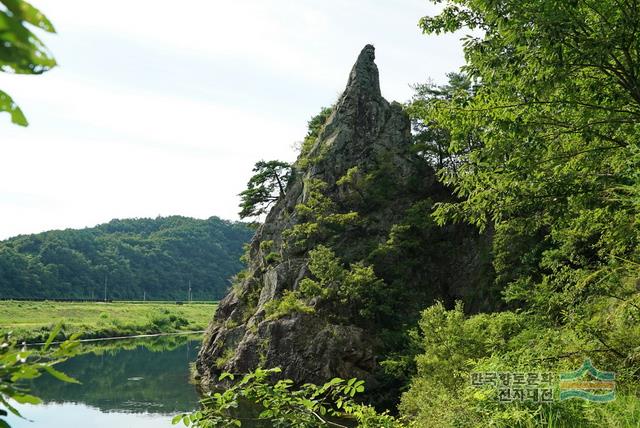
{"x": 105, "y": 287}
{"x": 144, "y": 296}
{"x": 189, "y": 294}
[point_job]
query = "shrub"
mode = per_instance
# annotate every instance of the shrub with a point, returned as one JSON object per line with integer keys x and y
{"x": 310, "y": 406}
{"x": 289, "y": 303}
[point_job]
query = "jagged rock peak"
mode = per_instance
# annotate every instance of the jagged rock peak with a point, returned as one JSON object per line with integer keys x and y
{"x": 364, "y": 74}
{"x": 371, "y": 138}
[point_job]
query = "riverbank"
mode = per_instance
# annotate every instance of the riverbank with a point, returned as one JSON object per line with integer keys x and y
{"x": 32, "y": 321}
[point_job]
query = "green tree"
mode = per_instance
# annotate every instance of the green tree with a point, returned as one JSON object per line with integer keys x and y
{"x": 556, "y": 117}
{"x": 265, "y": 187}
{"x": 21, "y": 51}
{"x": 431, "y": 140}
{"x": 553, "y": 172}
{"x": 557, "y": 108}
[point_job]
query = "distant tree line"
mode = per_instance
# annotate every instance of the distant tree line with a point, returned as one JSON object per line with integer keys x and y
{"x": 136, "y": 258}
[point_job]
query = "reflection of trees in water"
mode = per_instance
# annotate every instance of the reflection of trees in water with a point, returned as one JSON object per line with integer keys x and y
{"x": 154, "y": 344}
{"x": 142, "y": 375}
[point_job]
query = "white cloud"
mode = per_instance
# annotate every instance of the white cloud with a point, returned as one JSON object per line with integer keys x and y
{"x": 162, "y": 107}
{"x": 167, "y": 155}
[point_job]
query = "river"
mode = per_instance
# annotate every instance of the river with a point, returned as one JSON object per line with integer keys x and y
{"x": 131, "y": 383}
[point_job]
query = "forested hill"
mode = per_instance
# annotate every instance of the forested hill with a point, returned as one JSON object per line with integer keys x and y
{"x": 159, "y": 257}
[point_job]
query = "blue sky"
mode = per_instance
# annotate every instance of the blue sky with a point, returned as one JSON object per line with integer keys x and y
{"x": 161, "y": 108}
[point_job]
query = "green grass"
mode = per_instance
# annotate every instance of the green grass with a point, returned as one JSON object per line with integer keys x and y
{"x": 31, "y": 321}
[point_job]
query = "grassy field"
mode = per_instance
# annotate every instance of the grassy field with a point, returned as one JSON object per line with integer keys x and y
{"x": 32, "y": 321}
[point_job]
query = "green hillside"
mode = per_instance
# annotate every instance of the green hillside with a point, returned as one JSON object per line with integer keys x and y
{"x": 157, "y": 258}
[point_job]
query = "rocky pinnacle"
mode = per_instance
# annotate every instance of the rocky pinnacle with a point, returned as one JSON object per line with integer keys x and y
{"x": 364, "y": 74}
{"x": 364, "y": 134}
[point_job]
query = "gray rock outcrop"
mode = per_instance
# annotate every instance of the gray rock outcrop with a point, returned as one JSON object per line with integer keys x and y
{"x": 367, "y": 133}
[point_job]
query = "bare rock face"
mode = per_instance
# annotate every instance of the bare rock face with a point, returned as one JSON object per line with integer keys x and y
{"x": 367, "y": 133}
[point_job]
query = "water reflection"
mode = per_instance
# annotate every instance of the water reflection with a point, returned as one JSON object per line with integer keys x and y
{"x": 136, "y": 383}
{"x": 139, "y": 383}
{"x": 148, "y": 375}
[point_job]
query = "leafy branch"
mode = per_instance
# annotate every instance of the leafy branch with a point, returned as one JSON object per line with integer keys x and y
{"x": 309, "y": 406}
{"x": 21, "y": 51}
{"x": 21, "y": 363}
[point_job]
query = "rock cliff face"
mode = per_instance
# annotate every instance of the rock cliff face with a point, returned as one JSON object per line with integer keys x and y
{"x": 367, "y": 141}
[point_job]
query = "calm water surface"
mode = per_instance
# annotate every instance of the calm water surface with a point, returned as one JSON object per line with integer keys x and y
{"x": 125, "y": 383}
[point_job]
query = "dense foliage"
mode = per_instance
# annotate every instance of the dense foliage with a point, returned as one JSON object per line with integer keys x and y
{"x": 21, "y": 51}
{"x": 157, "y": 258}
{"x": 541, "y": 141}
